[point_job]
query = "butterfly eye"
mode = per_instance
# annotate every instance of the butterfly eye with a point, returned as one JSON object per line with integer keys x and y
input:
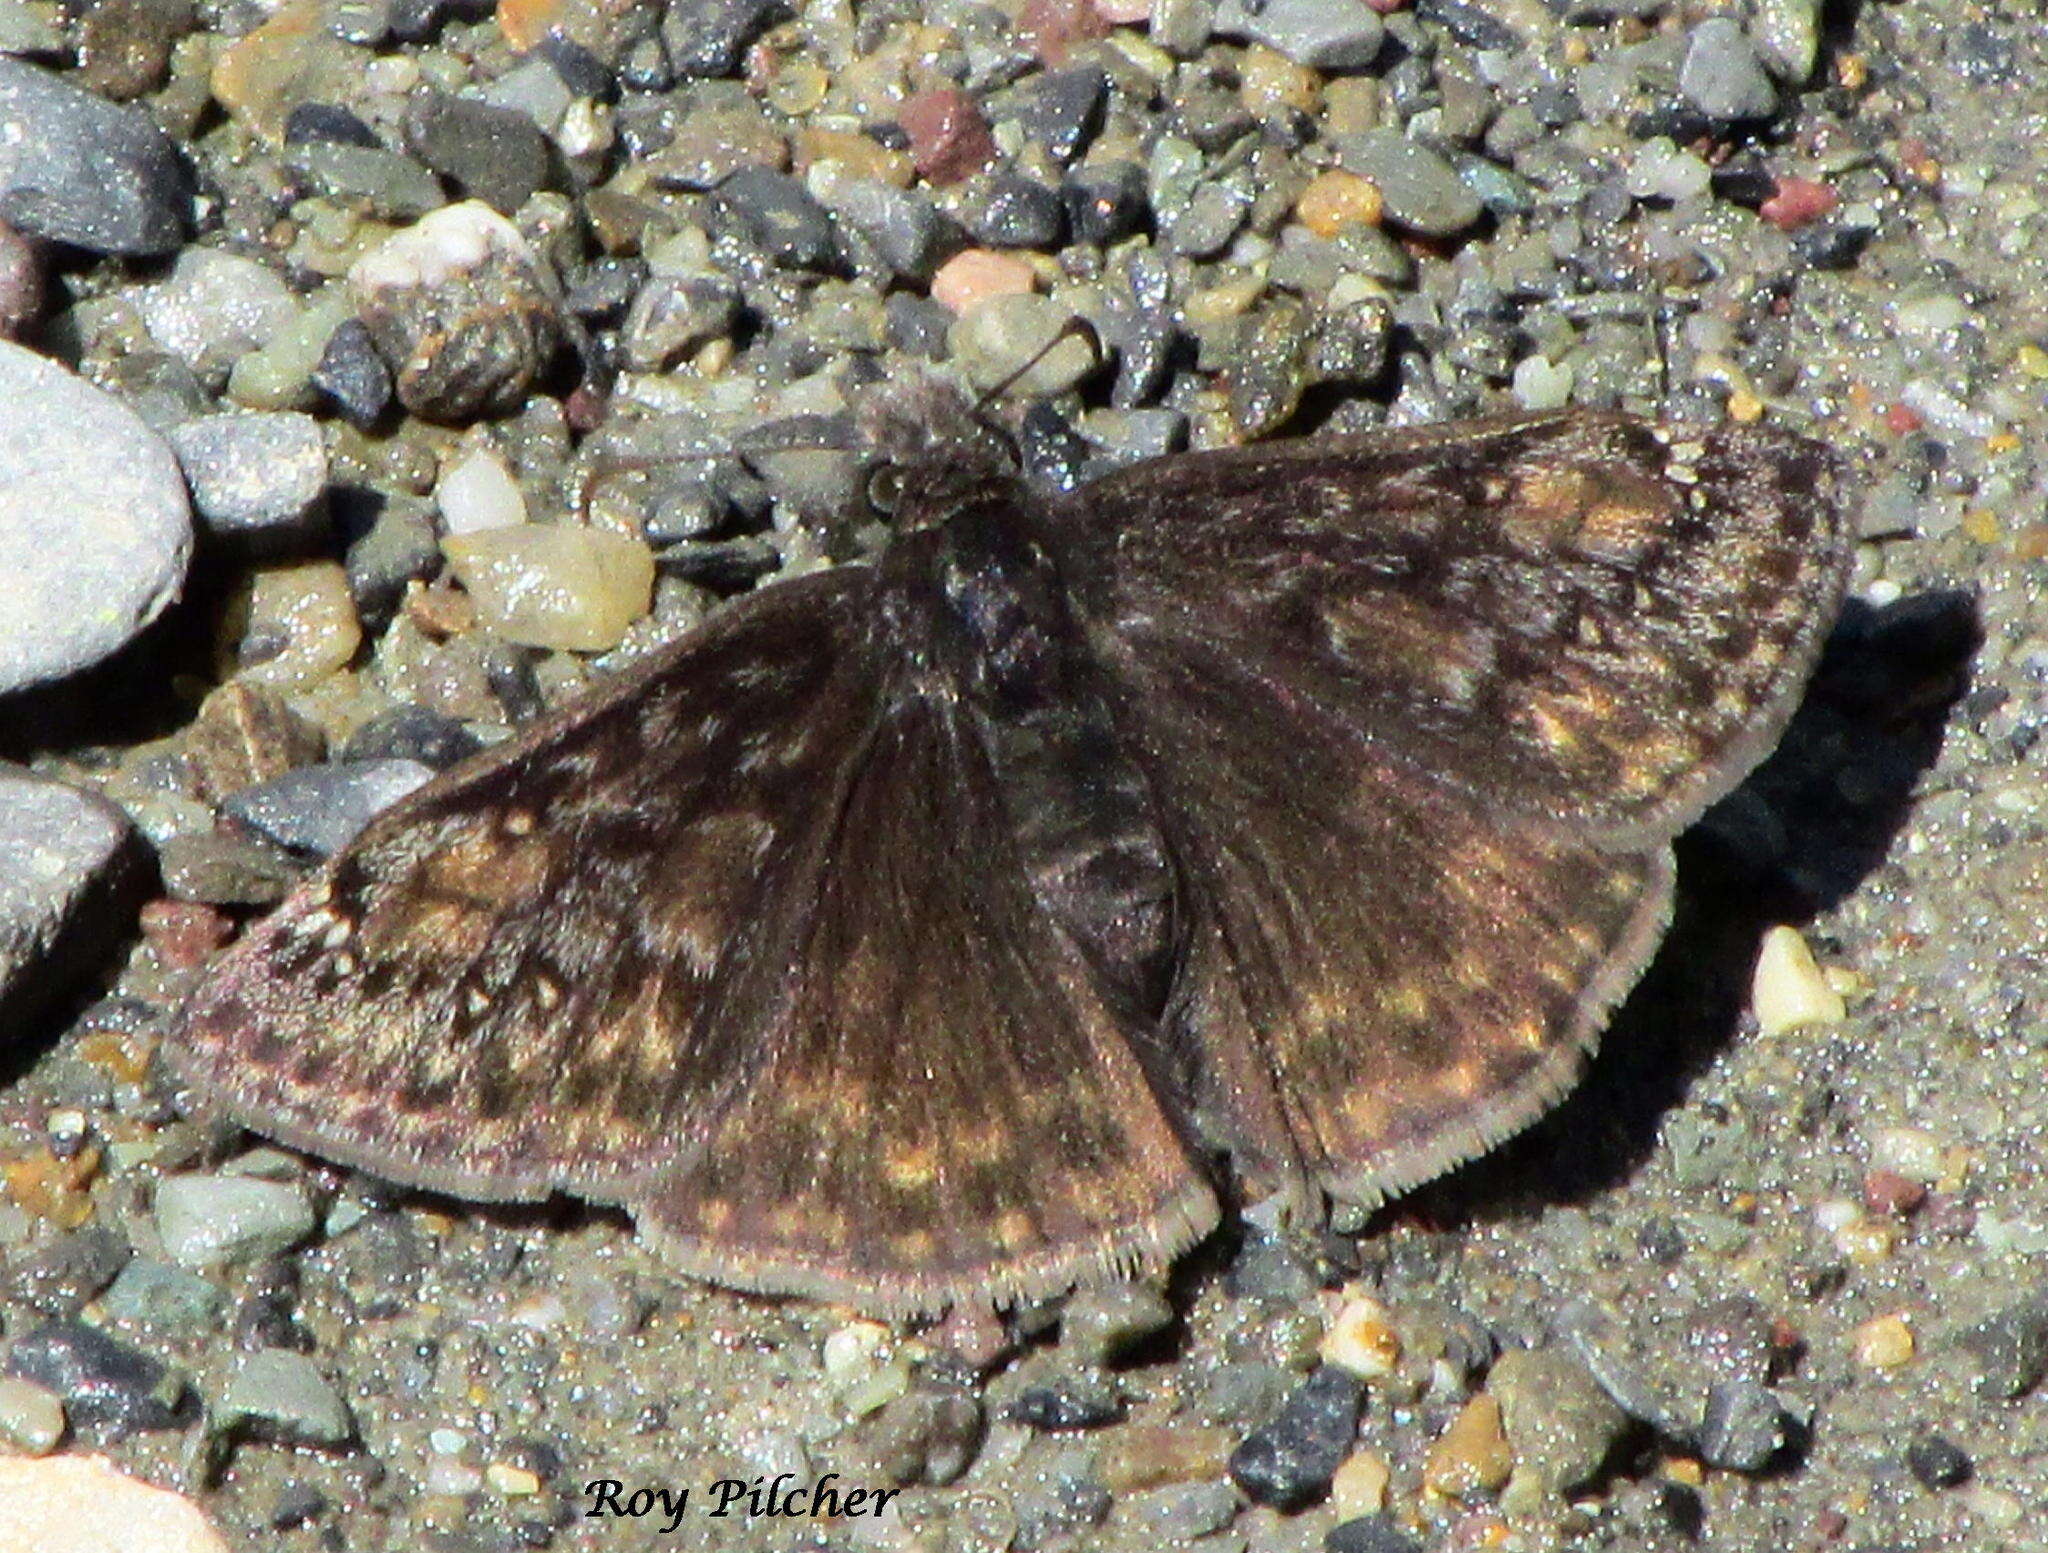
{"x": 885, "y": 487}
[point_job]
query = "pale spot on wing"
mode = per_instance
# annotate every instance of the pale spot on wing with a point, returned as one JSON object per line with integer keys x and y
{"x": 714, "y": 1214}
{"x": 909, "y": 1165}
{"x": 518, "y": 822}
{"x": 1015, "y": 1229}
{"x": 1407, "y": 1001}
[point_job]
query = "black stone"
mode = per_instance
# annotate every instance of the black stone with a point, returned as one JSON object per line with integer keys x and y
{"x": 1010, "y": 211}
{"x": 708, "y": 38}
{"x": 1062, "y": 110}
{"x": 1369, "y": 1534}
{"x": 326, "y": 121}
{"x": 778, "y": 213}
{"x": 1069, "y": 1402}
{"x": 297, "y": 1503}
{"x": 410, "y": 731}
{"x": 1288, "y": 1462}
{"x": 577, "y": 68}
{"x": 353, "y": 376}
{"x": 1105, "y": 202}
{"x": 604, "y": 289}
{"x": 497, "y": 155}
{"x": 2011, "y": 1350}
{"x": 1832, "y": 244}
{"x": 1662, "y": 1242}
{"x": 104, "y": 1382}
{"x": 1745, "y": 179}
{"x": 1936, "y": 1462}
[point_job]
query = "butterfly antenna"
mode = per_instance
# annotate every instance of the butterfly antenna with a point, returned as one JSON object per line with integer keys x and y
{"x": 989, "y": 396}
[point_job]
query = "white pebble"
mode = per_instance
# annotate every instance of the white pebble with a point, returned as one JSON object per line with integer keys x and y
{"x": 1789, "y": 990}
{"x": 478, "y": 492}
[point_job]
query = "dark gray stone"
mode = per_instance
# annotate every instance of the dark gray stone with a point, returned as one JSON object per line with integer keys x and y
{"x": 411, "y": 732}
{"x": 490, "y": 153}
{"x": 1006, "y": 210}
{"x": 75, "y": 168}
{"x": 1288, "y": 1462}
{"x": 255, "y": 476}
{"x": 707, "y": 38}
{"x": 320, "y": 809}
{"x": 65, "y": 878}
{"x": 353, "y": 376}
{"x": 106, "y": 1384}
{"x": 780, "y": 216}
{"x": 1105, "y": 202}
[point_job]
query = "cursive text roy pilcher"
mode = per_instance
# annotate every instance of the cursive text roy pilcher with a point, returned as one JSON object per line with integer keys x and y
{"x": 759, "y": 1498}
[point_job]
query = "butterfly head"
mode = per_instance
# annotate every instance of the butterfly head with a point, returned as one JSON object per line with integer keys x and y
{"x": 934, "y": 453}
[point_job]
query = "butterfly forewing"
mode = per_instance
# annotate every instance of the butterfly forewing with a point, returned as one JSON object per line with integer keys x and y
{"x": 1581, "y": 616}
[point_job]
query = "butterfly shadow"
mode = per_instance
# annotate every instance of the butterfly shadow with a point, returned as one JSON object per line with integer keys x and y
{"x": 1799, "y": 836}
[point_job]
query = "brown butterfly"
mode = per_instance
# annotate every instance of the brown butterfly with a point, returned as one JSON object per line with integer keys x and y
{"x": 920, "y": 930}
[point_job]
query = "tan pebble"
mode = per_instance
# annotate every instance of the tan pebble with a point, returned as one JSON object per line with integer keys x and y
{"x": 82, "y": 1504}
{"x": 976, "y": 274}
{"x": 1360, "y": 1485}
{"x": 308, "y": 609}
{"x": 1361, "y": 1341}
{"x": 1912, "y": 1152}
{"x": 1147, "y": 1455}
{"x": 290, "y": 59}
{"x": 1865, "y": 1241}
{"x": 856, "y": 152}
{"x": 513, "y": 1482}
{"x": 525, "y": 22}
{"x": 1336, "y": 199}
{"x": 547, "y": 585}
{"x": 1883, "y": 1343}
{"x": 1788, "y": 990}
{"x": 31, "y": 1418}
{"x": 1269, "y": 82}
{"x": 1472, "y": 1458}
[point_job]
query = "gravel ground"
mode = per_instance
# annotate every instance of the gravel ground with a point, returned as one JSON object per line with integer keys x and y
{"x": 409, "y": 289}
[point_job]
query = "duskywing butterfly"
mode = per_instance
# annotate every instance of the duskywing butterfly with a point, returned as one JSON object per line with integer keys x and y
{"x": 919, "y": 930}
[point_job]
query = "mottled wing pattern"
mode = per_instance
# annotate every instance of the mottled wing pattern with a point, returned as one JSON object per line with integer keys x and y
{"x": 1584, "y": 617}
{"x": 520, "y": 976}
{"x": 945, "y": 1104}
{"x": 1421, "y": 731}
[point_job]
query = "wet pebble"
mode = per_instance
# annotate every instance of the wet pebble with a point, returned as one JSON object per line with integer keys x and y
{"x": 462, "y": 310}
{"x": 352, "y": 375}
{"x": 62, "y": 875}
{"x": 2009, "y": 1350}
{"x": 1072, "y": 1400}
{"x": 1167, "y": 1517}
{"x": 31, "y": 1416}
{"x": 902, "y": 225}
{"x": 381, "y": 183}
{"x": 276, "y": 1394}
{"x": 1028, "y": 343}
{"x": 148, "y": 1293}
{"x": 1141, "y": 1456}
{"x": 1106, "y": 201}
{"x": 1722, "y": 75}
{"x": 320, "y": 809}
{"x": 549, "y": 585}
{"x": 1561, "y": 1424}
{"x": 1062, "y": 1501}
{"x": 778, "y": 213}
{"x": 1010, "y": 211}
{"x": 928, "y": 1435}
{"x": 59, "y": 1276}
{"x": 1288, "y": 1462}
{"x": 256, "y": 478}
{"x": 215, "y": 307}
{"x": 105, "y": 1384}
{"x": 1369, "y": 1534}
{"x": 1418, "y": 188}
{"x": 477, "y": 491}
{"x": 210, "y": 1221}
{"x": 411, "y": 732}
{"x": 672, "y": 317}
{"x": 706, "y": 38}
{"x": 493, "y": 154}
{"x": 1743, "y": 1427}
{"x": 95, "y": 527}
{"x": 1789, "y": 990}
{"x": 75, "y": 168}
{"x": 1104, "y": 1321}
{"x": 1471, "y": 1458}
{"x": 1326, "y": 34}
{"x": 1937, "y": 1462}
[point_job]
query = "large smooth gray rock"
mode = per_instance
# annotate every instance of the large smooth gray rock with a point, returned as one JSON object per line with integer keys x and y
{"x": 95, "y": 527}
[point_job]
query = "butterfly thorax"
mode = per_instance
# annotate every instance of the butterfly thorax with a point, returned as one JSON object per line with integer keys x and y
{"x": 973, "y": 600}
